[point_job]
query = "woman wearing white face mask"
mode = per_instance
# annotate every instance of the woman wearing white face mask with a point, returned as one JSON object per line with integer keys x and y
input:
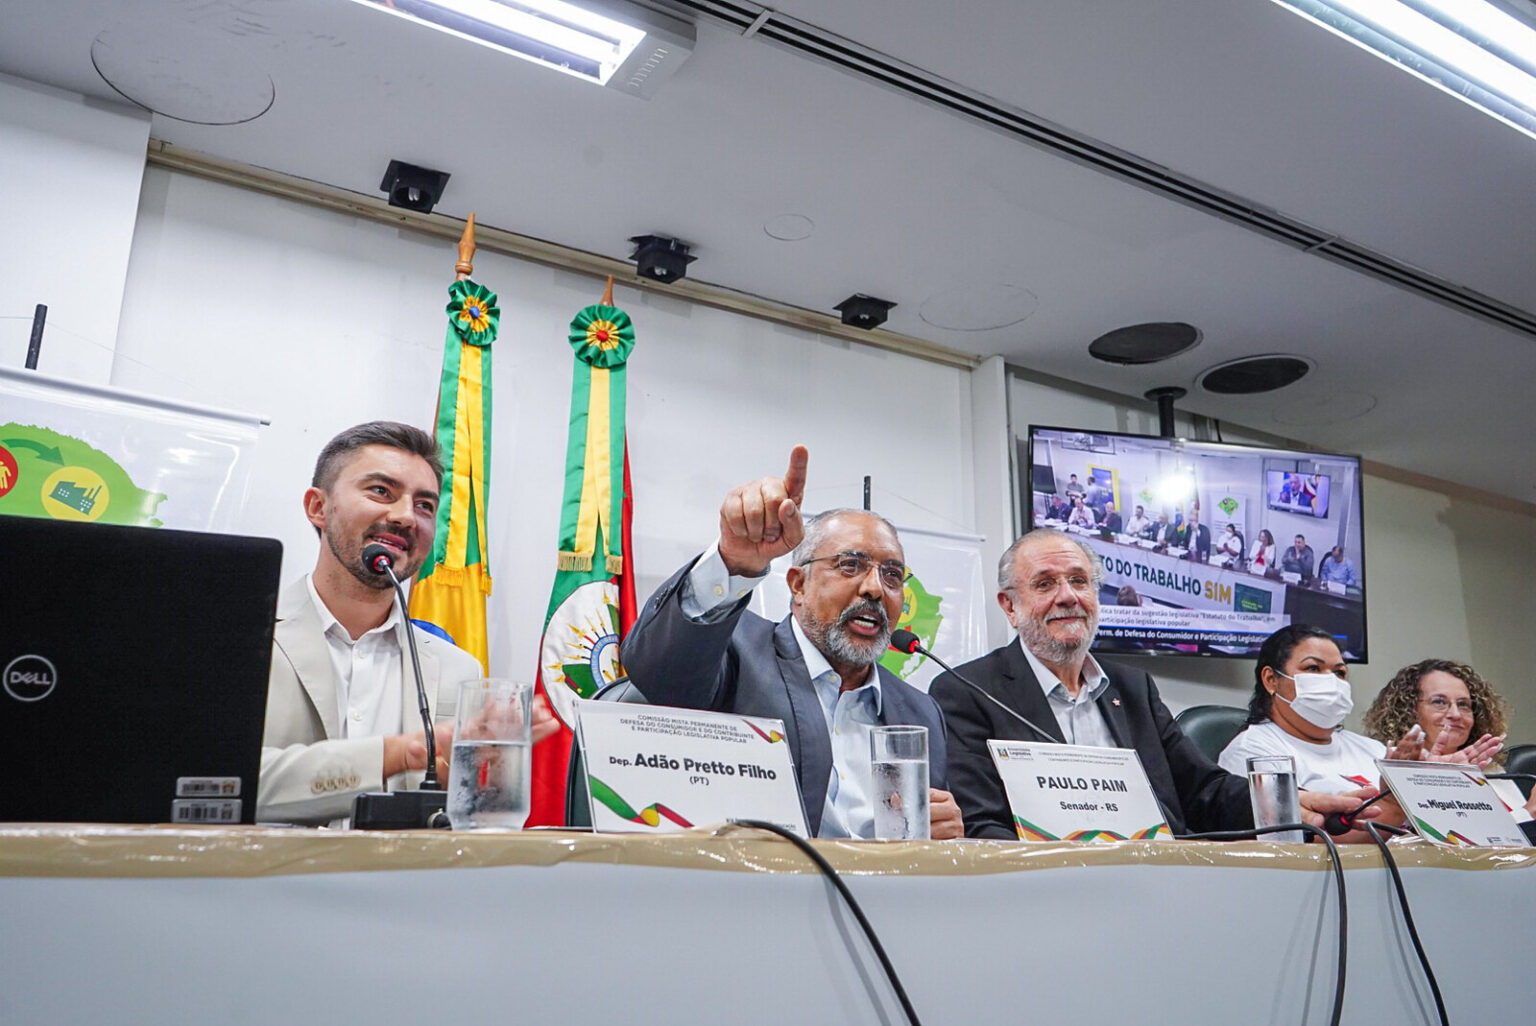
{"x": 1301, "y": 696}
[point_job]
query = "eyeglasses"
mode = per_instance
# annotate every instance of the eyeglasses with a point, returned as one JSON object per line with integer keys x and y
{"x": 1441, "y": 704}
{"x": 1080, "y": 583}
{"x": 854, "y": 565}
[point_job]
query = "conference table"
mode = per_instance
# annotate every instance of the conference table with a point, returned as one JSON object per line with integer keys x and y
{"x": 126, "y": 924}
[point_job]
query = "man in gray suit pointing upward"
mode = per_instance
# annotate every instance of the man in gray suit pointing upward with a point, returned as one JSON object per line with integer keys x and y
{"x": 697, "y": 646}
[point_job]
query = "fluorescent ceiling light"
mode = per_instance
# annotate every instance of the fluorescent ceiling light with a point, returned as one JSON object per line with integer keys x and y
{"x": 563, "y": 36}
{"x": 1479, "y": 51}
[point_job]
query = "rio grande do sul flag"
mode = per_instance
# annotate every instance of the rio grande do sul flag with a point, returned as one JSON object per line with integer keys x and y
{"x": 449, "y": 595}
{"x": 592, "y": 602}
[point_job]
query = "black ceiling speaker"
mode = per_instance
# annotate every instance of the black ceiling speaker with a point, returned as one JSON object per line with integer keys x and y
{"x": 660, "y": 258}
{"x": 412, "y": 187}
{"x": 1145, "y": 343}
{"x": 1255, "y": 374}
{"x": 861, "y": 311}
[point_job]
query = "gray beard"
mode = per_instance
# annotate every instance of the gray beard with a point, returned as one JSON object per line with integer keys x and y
{"x": 834, "y": 641}
{"x": 1052, "y": 650}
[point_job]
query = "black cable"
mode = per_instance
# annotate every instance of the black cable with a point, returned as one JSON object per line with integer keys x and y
{"x": 853, "y": 906}
{"x": 1374, "y": 830}
{"x": 1338, "y": 879}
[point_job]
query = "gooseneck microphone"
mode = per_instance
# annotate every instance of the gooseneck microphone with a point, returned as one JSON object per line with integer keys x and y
{"x": 404, "y": 810}
{"x": 905, "y": 641}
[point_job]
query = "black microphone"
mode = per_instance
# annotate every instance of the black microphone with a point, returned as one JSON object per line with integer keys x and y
{"x": 1340, "y": 823}
{"x": 905, "y": 641}
{"x": 378, "y": 559}
{"x": 404, "y": 810}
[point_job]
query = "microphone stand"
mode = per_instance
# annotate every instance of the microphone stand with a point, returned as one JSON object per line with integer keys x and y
{"x": 428, "y": 805}
{"x": 909, "y": 643}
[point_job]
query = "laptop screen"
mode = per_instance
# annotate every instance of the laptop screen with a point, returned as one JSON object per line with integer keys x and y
{"x": 133, "y": 671}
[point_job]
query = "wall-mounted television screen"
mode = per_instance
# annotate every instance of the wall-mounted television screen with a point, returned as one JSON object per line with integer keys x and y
{"x": 1208, "y": 547}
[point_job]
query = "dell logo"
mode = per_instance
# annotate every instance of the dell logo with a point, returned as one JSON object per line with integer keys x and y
{"x": 28, "y": 678}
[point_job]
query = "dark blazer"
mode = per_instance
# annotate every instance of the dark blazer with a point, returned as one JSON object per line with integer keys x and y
{"x": 1197, "y": 795}
{"x": 1197, "y": 541}
{"x": 745, "y": 664}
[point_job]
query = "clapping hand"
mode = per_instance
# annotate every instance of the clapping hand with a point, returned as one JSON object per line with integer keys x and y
{"x": 1479, "y": 753}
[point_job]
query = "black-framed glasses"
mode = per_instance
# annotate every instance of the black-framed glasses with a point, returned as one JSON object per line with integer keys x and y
{"x": 855, "y": 565}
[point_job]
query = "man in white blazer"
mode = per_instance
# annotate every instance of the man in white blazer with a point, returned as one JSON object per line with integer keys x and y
{"x": 342, "y": 714}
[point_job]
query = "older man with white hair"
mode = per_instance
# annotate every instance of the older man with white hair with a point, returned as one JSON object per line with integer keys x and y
{"x": 1048, "y": 585}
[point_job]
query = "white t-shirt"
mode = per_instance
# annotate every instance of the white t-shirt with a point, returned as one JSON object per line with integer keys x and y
{"x": 1346, "y": 763}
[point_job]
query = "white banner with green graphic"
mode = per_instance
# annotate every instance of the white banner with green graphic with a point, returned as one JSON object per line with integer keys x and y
{"x": 944, "y": 603}
{"x": 92, "y": 453}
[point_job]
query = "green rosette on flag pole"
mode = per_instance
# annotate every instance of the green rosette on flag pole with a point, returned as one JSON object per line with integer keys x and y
{"x": 580, "y": 649}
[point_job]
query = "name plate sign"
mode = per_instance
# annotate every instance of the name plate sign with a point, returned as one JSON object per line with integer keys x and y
{"x": 1452, "y": 804}
{"x": 652, "y": 769}
{"x": 1077, "y": 792}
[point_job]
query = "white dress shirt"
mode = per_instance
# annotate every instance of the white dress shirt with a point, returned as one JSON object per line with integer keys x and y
{"x": 368, "y": 681}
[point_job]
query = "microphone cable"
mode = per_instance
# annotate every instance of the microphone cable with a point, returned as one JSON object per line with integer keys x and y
{"x": 908, "y": 642}
{"x": 1375, "y": 829}
{"x": 853, "y": 906}
{"x": 1338, "y": 879}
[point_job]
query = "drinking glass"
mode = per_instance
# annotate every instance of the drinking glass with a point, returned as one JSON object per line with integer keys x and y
{"x": 488, "y": 774}
{"x": 1272, "y": 789}
{"x": 899, "y": 761}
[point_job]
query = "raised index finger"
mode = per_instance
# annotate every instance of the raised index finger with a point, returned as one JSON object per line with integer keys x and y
{"x": 794, "y": 477}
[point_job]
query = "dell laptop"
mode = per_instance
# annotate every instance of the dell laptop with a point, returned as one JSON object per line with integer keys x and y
{"x": 133, "y": 672}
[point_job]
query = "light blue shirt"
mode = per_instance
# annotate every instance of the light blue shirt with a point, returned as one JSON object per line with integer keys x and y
{"x": 852, "y": 716}
{"x": 1079, "y": 718}
{"x": 1341, "y": 572}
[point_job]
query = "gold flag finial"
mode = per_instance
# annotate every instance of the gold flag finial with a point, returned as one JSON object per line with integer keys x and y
{"x": 608, "y": 292}
{"x": 466, "y": 264}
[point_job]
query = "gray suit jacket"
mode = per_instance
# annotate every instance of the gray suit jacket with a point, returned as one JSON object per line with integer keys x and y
{"x": 745, "y": 664}
{"x": 309, "y": 772}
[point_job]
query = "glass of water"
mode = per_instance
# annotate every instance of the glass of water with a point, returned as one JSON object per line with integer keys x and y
{"x": 899, "y": 761}
{"x": 488, "y": 775}
{"x": 1272, "y": 789}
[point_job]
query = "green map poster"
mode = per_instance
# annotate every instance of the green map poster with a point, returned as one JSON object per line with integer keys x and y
{"x": 47, "y": 474}
{"x": 89, "y": 453}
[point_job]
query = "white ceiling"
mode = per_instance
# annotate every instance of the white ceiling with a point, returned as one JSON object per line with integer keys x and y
{"x": 919, "y": 205}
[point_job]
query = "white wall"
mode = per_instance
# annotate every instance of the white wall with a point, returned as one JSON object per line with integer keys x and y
{"x": 1448, "y": 577}
{"x": 71, "y": 169}
{"x": 320, "y": 321}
